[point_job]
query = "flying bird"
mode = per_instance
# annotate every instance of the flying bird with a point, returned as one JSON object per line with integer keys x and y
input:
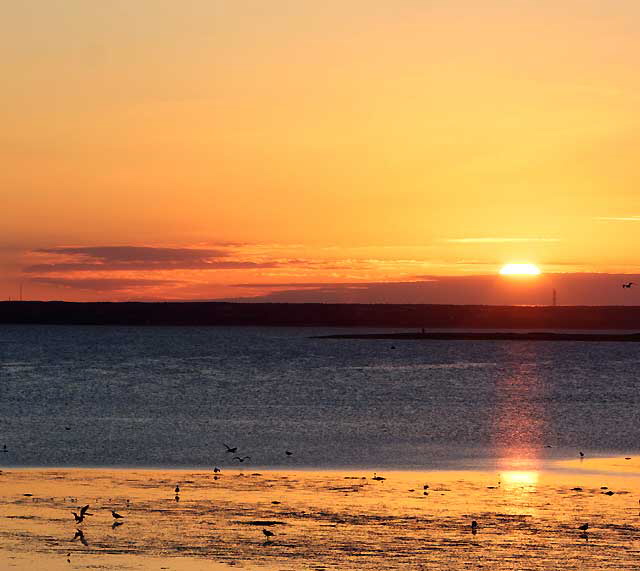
{"x": 241, "y": 459}
{"x": 288, "y": 453}
{"x": 83, "y": 512}
{"x": 116, "y": 515}
{"x": 116, "y": 524}
{"x": 229, "y": 449}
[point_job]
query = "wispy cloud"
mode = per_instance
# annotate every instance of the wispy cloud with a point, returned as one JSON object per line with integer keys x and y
{"x": 103, "y": 284}
{"x": 618, "y": 218}
{"x": 497, "y": 240}
{"x": 136, "y": 258}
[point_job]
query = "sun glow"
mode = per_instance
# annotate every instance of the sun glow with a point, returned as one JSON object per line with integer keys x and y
{"x": 520, "y": 270}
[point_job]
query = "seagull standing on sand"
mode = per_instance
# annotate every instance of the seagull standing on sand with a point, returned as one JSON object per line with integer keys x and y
{"x": 268, "y": 534}
{"x": 177, "y": 490}
{"x": 474, "y": 527}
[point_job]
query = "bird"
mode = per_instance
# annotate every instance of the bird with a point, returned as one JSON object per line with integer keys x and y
{"x": 177, "y": 490}
{"x": 378, "y": 478}
{"x": 116, "y": 515}
{"x": 216, "y": 470}
{"x": 425, "y": 487}
{"x": 229, "y": 449}
{"x": 80, "y": 535}
{"x": 584, "y": 527}
{"x": 474, "y": 527}
{"x": 116, "y": 524}
{"x": 268, "y": 534}
{"x": 241, "y": 459}
{"x": 83, "y": 512}
{"x": 581, "y": 454}
{"x": 288, "y": 452}
{"x": 628, "y": 285}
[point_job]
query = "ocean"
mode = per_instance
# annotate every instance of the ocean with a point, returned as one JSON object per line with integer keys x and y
{"x": 174, "y": 396}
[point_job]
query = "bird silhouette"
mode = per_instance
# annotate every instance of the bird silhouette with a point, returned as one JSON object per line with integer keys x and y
{"x": 216, "y": 470}
{"x": 378, "y": 478}
{"x": 268, "y": 534}
{"x": 116, "y": 524}
{"x": 83, "y": 512}
{"x": 628, "y": 285}
{"x": 229, "y": 449}
{"x": 116, "y": 515}
{"x": 581, "y": 454}
{"x": 584, "y": 527}
{"x": 474, "y": 527}
{"x": 288, "y": 453}
{"x": 177, "y": 490}
{"x": 241, "y": 459}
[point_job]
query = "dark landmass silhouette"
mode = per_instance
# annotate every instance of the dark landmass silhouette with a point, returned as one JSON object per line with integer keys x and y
{"x": 322, "y": 315}
{"x": 491, "y": 336}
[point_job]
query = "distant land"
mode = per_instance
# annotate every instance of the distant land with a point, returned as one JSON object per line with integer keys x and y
{"x": 490, "y": 336}
{"x": 322, "y": 315}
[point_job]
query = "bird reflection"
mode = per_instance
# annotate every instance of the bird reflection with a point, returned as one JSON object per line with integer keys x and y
{"x": 80, "y": 535}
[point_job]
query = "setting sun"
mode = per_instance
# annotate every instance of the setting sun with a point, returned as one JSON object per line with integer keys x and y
{"x": 520, "y": 270}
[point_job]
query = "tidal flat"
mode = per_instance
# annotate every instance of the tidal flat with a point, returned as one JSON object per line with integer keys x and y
{"x": 324, "y": 520}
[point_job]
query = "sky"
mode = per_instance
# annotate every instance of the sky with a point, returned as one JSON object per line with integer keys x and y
{"x": 297, "y": 150}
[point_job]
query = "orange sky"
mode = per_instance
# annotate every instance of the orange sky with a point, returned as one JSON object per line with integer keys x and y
{"x": 171, "y": 150}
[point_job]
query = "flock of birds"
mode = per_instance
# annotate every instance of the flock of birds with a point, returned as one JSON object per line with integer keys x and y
{"x": 83, "y": 511}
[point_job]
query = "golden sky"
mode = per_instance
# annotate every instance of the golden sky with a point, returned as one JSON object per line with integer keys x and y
{"x": 164, "y": 149}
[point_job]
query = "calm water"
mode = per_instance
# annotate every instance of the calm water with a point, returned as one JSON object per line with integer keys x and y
{"x": 128, "y": 396}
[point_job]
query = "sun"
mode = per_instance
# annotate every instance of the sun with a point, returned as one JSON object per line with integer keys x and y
{"x": 520, "y": 270}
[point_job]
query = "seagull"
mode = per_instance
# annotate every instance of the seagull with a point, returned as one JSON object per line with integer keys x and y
{"x": 581, "y": 454}
{"x": 288, "y": 453}
{"x": 116, "y": 515}
{"x": 474, "y": 527}
{"x": 229, "y": 449}
{"x": 177, "y": 490}
{"x": 216, "y": 470}
{"x": 116, "y": 524}
{"x": 241, "y": 459}
{"x": 83, "y": 513}
{"x": 584, "y": 527}
{"x": 628, "y": 285}
{"x": 378, "y": 478}
{"x": 268, "y": 534}
{"x": 80, "y": 535}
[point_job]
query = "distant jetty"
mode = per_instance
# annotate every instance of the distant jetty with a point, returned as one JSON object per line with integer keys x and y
{"x": 489, "y": 336}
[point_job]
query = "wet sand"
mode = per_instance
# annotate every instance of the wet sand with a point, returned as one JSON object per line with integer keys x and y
{"x": 528, "y": 519}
